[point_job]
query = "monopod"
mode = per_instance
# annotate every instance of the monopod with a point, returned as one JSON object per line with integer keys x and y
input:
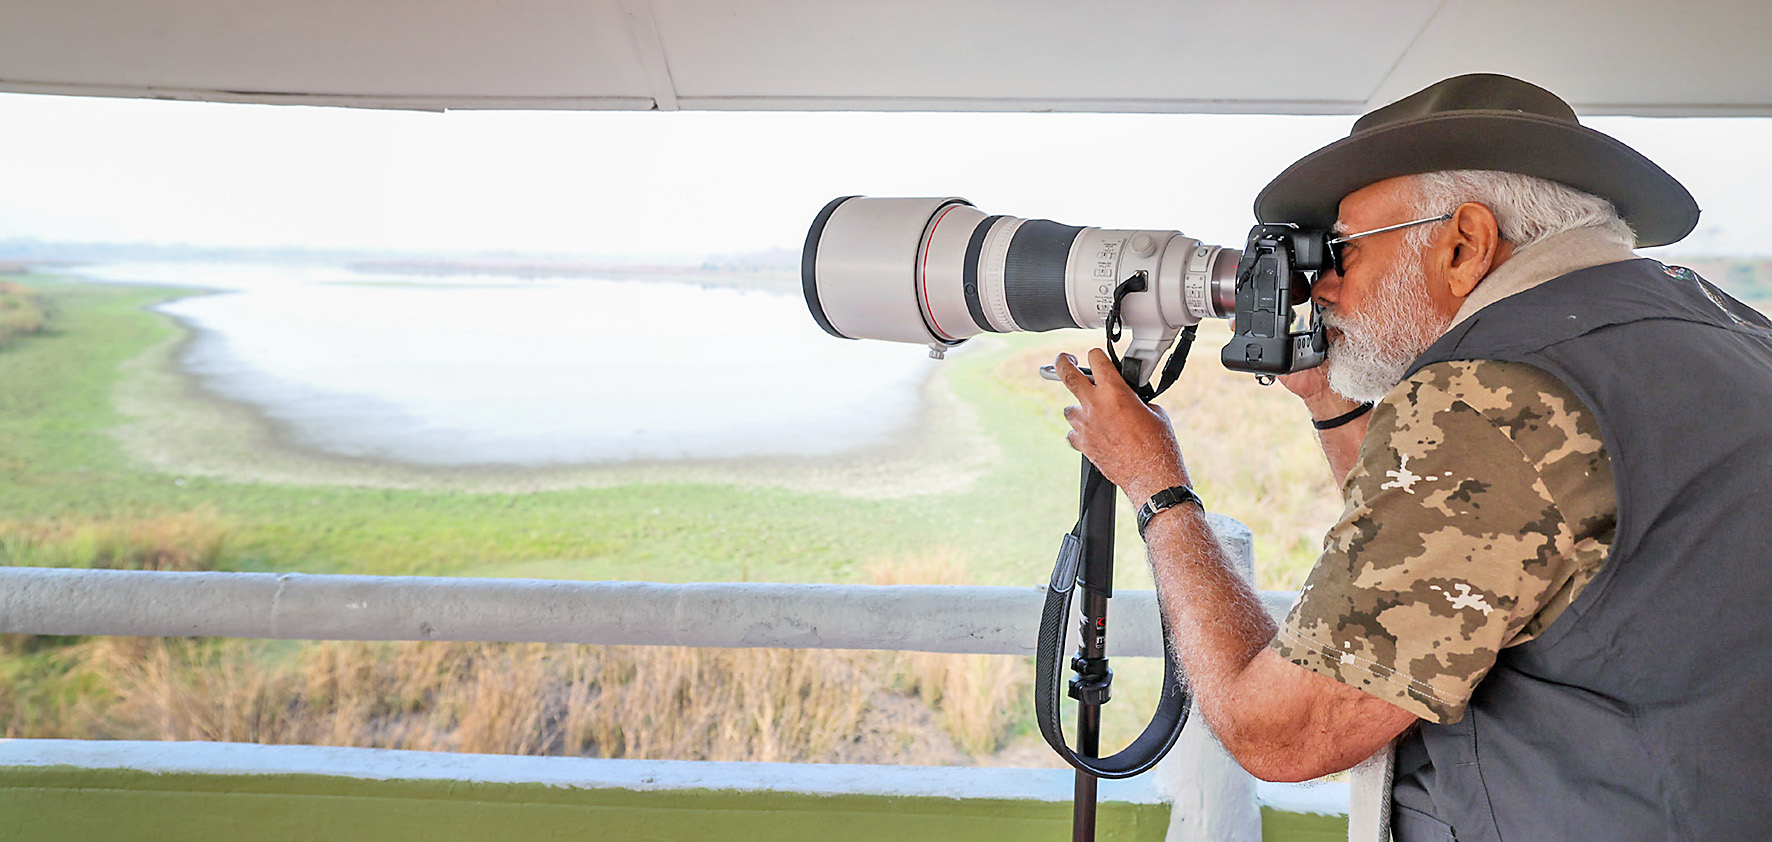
{"x": 1086, "y": 562}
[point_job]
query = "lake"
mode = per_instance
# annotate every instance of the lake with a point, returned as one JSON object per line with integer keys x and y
{"x": 487, "y": 370}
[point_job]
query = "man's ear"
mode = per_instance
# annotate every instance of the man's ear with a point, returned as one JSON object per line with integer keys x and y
{"x": 1477, "y": 248}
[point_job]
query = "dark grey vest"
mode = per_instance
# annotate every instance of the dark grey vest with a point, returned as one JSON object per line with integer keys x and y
{"x": 1645, "y": 711}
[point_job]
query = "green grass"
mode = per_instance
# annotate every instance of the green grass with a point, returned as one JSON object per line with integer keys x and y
{"x": 57, "y": 460}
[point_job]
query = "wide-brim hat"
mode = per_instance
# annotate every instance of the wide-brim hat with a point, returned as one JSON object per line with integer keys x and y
{"x": 1482, "y": 121}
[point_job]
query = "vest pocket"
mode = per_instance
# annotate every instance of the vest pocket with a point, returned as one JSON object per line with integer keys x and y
{"x": 1412, "y": 825}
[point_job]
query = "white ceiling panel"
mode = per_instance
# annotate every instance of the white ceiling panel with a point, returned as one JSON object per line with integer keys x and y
{"x": 1034, "y": 56}
{"x": 1647, "y": 57}
{"x": 1282, "y": 56}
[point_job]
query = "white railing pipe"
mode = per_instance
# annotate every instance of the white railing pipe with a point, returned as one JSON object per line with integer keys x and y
{"x": 292, "y": 606}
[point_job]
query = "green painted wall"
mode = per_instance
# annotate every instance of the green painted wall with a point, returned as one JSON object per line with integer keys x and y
{"x": 68, "y": 804}
{"x": 1277, "y": 826}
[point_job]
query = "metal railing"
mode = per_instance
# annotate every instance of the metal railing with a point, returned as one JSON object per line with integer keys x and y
{"x": 1213, "y": 797}
{"x": 294, "y": 606}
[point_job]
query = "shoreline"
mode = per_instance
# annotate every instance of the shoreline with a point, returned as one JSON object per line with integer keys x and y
{"x": 176, "y": 425}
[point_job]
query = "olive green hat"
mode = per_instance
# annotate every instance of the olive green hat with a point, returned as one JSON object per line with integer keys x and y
{"x": 1482, "y": 121}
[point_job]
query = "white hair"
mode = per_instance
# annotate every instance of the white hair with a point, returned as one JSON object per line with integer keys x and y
{"x": 1527, "y": 209}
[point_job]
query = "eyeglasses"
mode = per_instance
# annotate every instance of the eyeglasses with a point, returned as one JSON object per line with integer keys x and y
{"x": 1336, "y": 253}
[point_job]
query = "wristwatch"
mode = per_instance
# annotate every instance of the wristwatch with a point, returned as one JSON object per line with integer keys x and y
{"x": 1168, "y": 498}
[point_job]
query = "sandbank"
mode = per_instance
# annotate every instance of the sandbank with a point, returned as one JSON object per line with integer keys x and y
{"x": 177, "y": 426}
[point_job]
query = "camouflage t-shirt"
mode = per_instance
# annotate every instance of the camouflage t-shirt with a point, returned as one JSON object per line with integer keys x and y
{"x": 1482, "y": 503}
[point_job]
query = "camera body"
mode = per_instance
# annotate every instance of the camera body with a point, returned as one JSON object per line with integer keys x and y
{"x": 1271, "y": 280}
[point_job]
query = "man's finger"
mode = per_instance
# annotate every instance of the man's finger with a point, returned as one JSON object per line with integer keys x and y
{"x": 1074, "y": 380}
{"x": 1107, "y": 376}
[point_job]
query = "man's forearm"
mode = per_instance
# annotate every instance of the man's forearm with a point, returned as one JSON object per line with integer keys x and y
{"x": 1216, "y": 619}
{"x": 1280, "y": 721}
{"x": 1341, "y": 445}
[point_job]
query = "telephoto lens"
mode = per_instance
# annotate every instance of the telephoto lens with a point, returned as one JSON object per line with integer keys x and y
{"x": 936, "y": 271}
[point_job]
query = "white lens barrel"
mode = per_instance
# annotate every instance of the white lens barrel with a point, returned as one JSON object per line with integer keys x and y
{"x": 860, "y": 268}
{"x": 937, "y": 271}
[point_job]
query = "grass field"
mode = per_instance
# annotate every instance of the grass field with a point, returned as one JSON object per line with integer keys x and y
{"x": 73, "y": 494}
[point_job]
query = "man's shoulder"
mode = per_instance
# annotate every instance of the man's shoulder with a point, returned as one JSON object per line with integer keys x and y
{"x": 1531, "y": 407}
{"x": 1493, "y": 387}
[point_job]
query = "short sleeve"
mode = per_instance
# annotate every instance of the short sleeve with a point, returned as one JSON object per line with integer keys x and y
{"x": 1451, "y": 542}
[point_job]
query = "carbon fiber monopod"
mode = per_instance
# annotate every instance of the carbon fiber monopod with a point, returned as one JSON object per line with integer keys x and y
{"x": 1086, "y": 562}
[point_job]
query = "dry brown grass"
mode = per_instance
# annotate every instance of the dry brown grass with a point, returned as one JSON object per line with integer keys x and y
{"x": 21, "y": 312}
{"x": 644, "y": 702}
{"x": 976, "y": 698}
{"x": 654, "y": 702}
{"x": 184, "y": 541}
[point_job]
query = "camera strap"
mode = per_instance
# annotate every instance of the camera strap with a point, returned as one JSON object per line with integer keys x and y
{"x": 1115, "y": 329}
{"x": 1172, "y": 707}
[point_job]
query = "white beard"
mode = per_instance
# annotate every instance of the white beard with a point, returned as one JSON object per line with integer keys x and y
{"x": 1376, "y": 347}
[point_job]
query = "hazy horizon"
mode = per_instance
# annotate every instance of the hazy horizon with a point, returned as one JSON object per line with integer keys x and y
{"x": 681, "y": 186}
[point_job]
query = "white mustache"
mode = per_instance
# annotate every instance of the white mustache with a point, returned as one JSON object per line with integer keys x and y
{"x": 1335, "y": 321}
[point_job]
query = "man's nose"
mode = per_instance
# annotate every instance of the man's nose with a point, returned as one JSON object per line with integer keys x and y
{"x": 1327, "y": 290}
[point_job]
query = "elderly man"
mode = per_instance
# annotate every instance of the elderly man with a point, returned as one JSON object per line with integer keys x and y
{"x": 1549, "y": 586}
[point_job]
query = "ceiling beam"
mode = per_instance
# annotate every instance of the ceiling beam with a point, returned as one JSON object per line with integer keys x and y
{"x": 650, "y": 50}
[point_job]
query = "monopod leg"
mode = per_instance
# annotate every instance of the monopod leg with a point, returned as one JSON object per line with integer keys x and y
{"x": 1093, "y": 680}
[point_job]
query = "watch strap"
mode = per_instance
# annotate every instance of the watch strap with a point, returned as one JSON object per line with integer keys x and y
{"x": 1168, "y": 498}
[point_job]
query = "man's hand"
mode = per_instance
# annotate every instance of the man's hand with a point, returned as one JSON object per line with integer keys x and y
{"x": 1312, "y": 386}
{"x": 1130, "y": 441}
{"x": 1281, "y": 721}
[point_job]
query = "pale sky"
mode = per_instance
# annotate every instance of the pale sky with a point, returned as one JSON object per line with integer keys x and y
{"x": 689, "y": 184}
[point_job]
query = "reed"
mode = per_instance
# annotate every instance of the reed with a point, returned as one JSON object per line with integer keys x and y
{"x": 192, "y": 540}
{"x": 635, "y": 702}
{"x": 498, "y": 698}
{"x": 976, "y": 698}
{"x": 21, "y": 312}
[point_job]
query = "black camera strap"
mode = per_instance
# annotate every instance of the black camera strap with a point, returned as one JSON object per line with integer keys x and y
{"x": 1115, "y": 328}
{"x": 1172, "y": 707}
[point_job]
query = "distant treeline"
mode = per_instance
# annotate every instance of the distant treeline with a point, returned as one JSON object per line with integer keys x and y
{"x": 774, "y": 270}
{"x": 773, "y": 261}
{"x": 17, "y": 253}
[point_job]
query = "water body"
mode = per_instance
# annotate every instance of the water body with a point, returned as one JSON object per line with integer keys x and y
{"x": 494, "y": 371}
